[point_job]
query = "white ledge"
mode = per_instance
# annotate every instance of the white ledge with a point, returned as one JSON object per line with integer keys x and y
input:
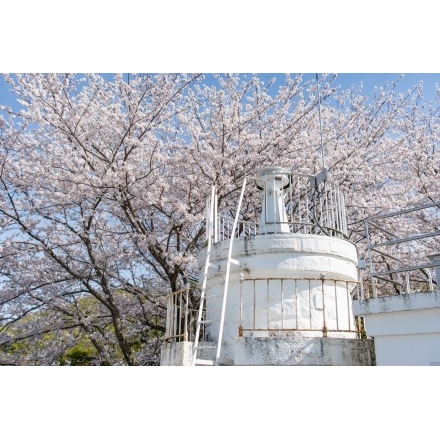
{"x": 397, "y": 303}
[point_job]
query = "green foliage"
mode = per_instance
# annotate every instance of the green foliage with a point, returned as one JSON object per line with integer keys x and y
{"x": 81, "y": 354}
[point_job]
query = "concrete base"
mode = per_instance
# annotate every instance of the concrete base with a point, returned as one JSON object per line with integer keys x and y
{"x": 298, "y": 350}
{"x": 180, "y": 353}
{"x": 281, "y": 350}
{"x": 175, "y": 354}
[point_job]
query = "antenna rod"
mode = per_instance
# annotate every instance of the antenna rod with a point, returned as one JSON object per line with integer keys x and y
{"x": 320, "y": 123}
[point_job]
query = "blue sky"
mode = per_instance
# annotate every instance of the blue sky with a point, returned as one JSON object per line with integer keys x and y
{"x": 345, "y": 80}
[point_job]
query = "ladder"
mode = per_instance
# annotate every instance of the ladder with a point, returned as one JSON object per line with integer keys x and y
{"x": 211, "y": 212}
{"x": 211, "y": 233}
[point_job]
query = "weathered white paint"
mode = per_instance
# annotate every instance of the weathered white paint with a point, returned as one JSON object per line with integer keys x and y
{"x": 295, "y": 349}
{"x": 288, "y": 255}
{"x": 315, "y": 306}
{"x": 406, "y": 328}
{"x": 278, "y": 349}
{"x": 180, "y": 353}
{"x": 176, "y": 354}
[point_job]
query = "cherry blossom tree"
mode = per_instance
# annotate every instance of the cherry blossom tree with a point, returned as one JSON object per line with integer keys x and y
{"x": 82, "y": 195}
{"x": 103, "y": 187}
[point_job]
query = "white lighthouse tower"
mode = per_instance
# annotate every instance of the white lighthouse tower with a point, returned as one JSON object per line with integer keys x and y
{"x": 276, "y": 290}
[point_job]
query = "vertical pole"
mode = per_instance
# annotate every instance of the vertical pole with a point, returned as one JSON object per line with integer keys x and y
{"x": 344, "y": 214}
{"x": 324, "y": 326}
{"x": 431, "y": 286}
{"x": 215, "y": 216}
{"x": 320, "y": 123}
{"x": 290, "y": 218}
{"x": 267, "y": 304}
{"x": 334, "y": 209}
{"x": 373, "y": 287}
{"x": 175, "y": 316}
{"x": 315, "y": 220}
{"x": 307, "y": 213}
{"x": 327, "y": 215}
{"x": 168, "y": 320}
{"x": 265, "y": 203}
{"x": 408, "y": 286}
{"x": 255, "y": 307}
{"x": 185, "y": 329}
{"x": 310, "y": 306}
{"x": 321, "y": 213}
{"x": 282, "y": 304}
{"x": 338, "y": 202}
{"x": 180, "y": 314}
{"x": 296, "y": 304}
{"x": 240, "y": 329}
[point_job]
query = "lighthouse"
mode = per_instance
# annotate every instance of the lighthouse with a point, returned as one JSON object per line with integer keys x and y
{"x": 273, "y": 182}
{"x": 278, "y": 289}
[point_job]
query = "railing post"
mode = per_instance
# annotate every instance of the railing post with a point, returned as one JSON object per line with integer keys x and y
{"x": 431, "y": 286}
{"x": 408, "y": 286}
{"x": 367, "y": 235}
{"x": 185, "y": 328}
{"x": 240, "y": 328}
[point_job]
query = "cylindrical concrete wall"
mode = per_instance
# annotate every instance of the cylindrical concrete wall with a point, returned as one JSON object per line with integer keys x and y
{"x": 284, "y": 283}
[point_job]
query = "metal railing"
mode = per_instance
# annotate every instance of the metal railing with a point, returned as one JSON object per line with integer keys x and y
{"x": 316, "y": 206}
{"x": 181, "y": 317}
{"x": 313, "y": 205}
{"x": 298, "y": 304}
{"x": 402, "y": 251}
{"x": 299, "y": 301}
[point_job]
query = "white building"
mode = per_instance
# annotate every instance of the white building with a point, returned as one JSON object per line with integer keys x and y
{"x": 285, "y": 289}
{"x": 401, "y": 309}
{"x": 275, "y": 290}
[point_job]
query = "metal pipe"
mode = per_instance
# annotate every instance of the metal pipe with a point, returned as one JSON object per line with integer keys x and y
{"x": 320, "y": 123}
{"x": 405, "y": 211}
